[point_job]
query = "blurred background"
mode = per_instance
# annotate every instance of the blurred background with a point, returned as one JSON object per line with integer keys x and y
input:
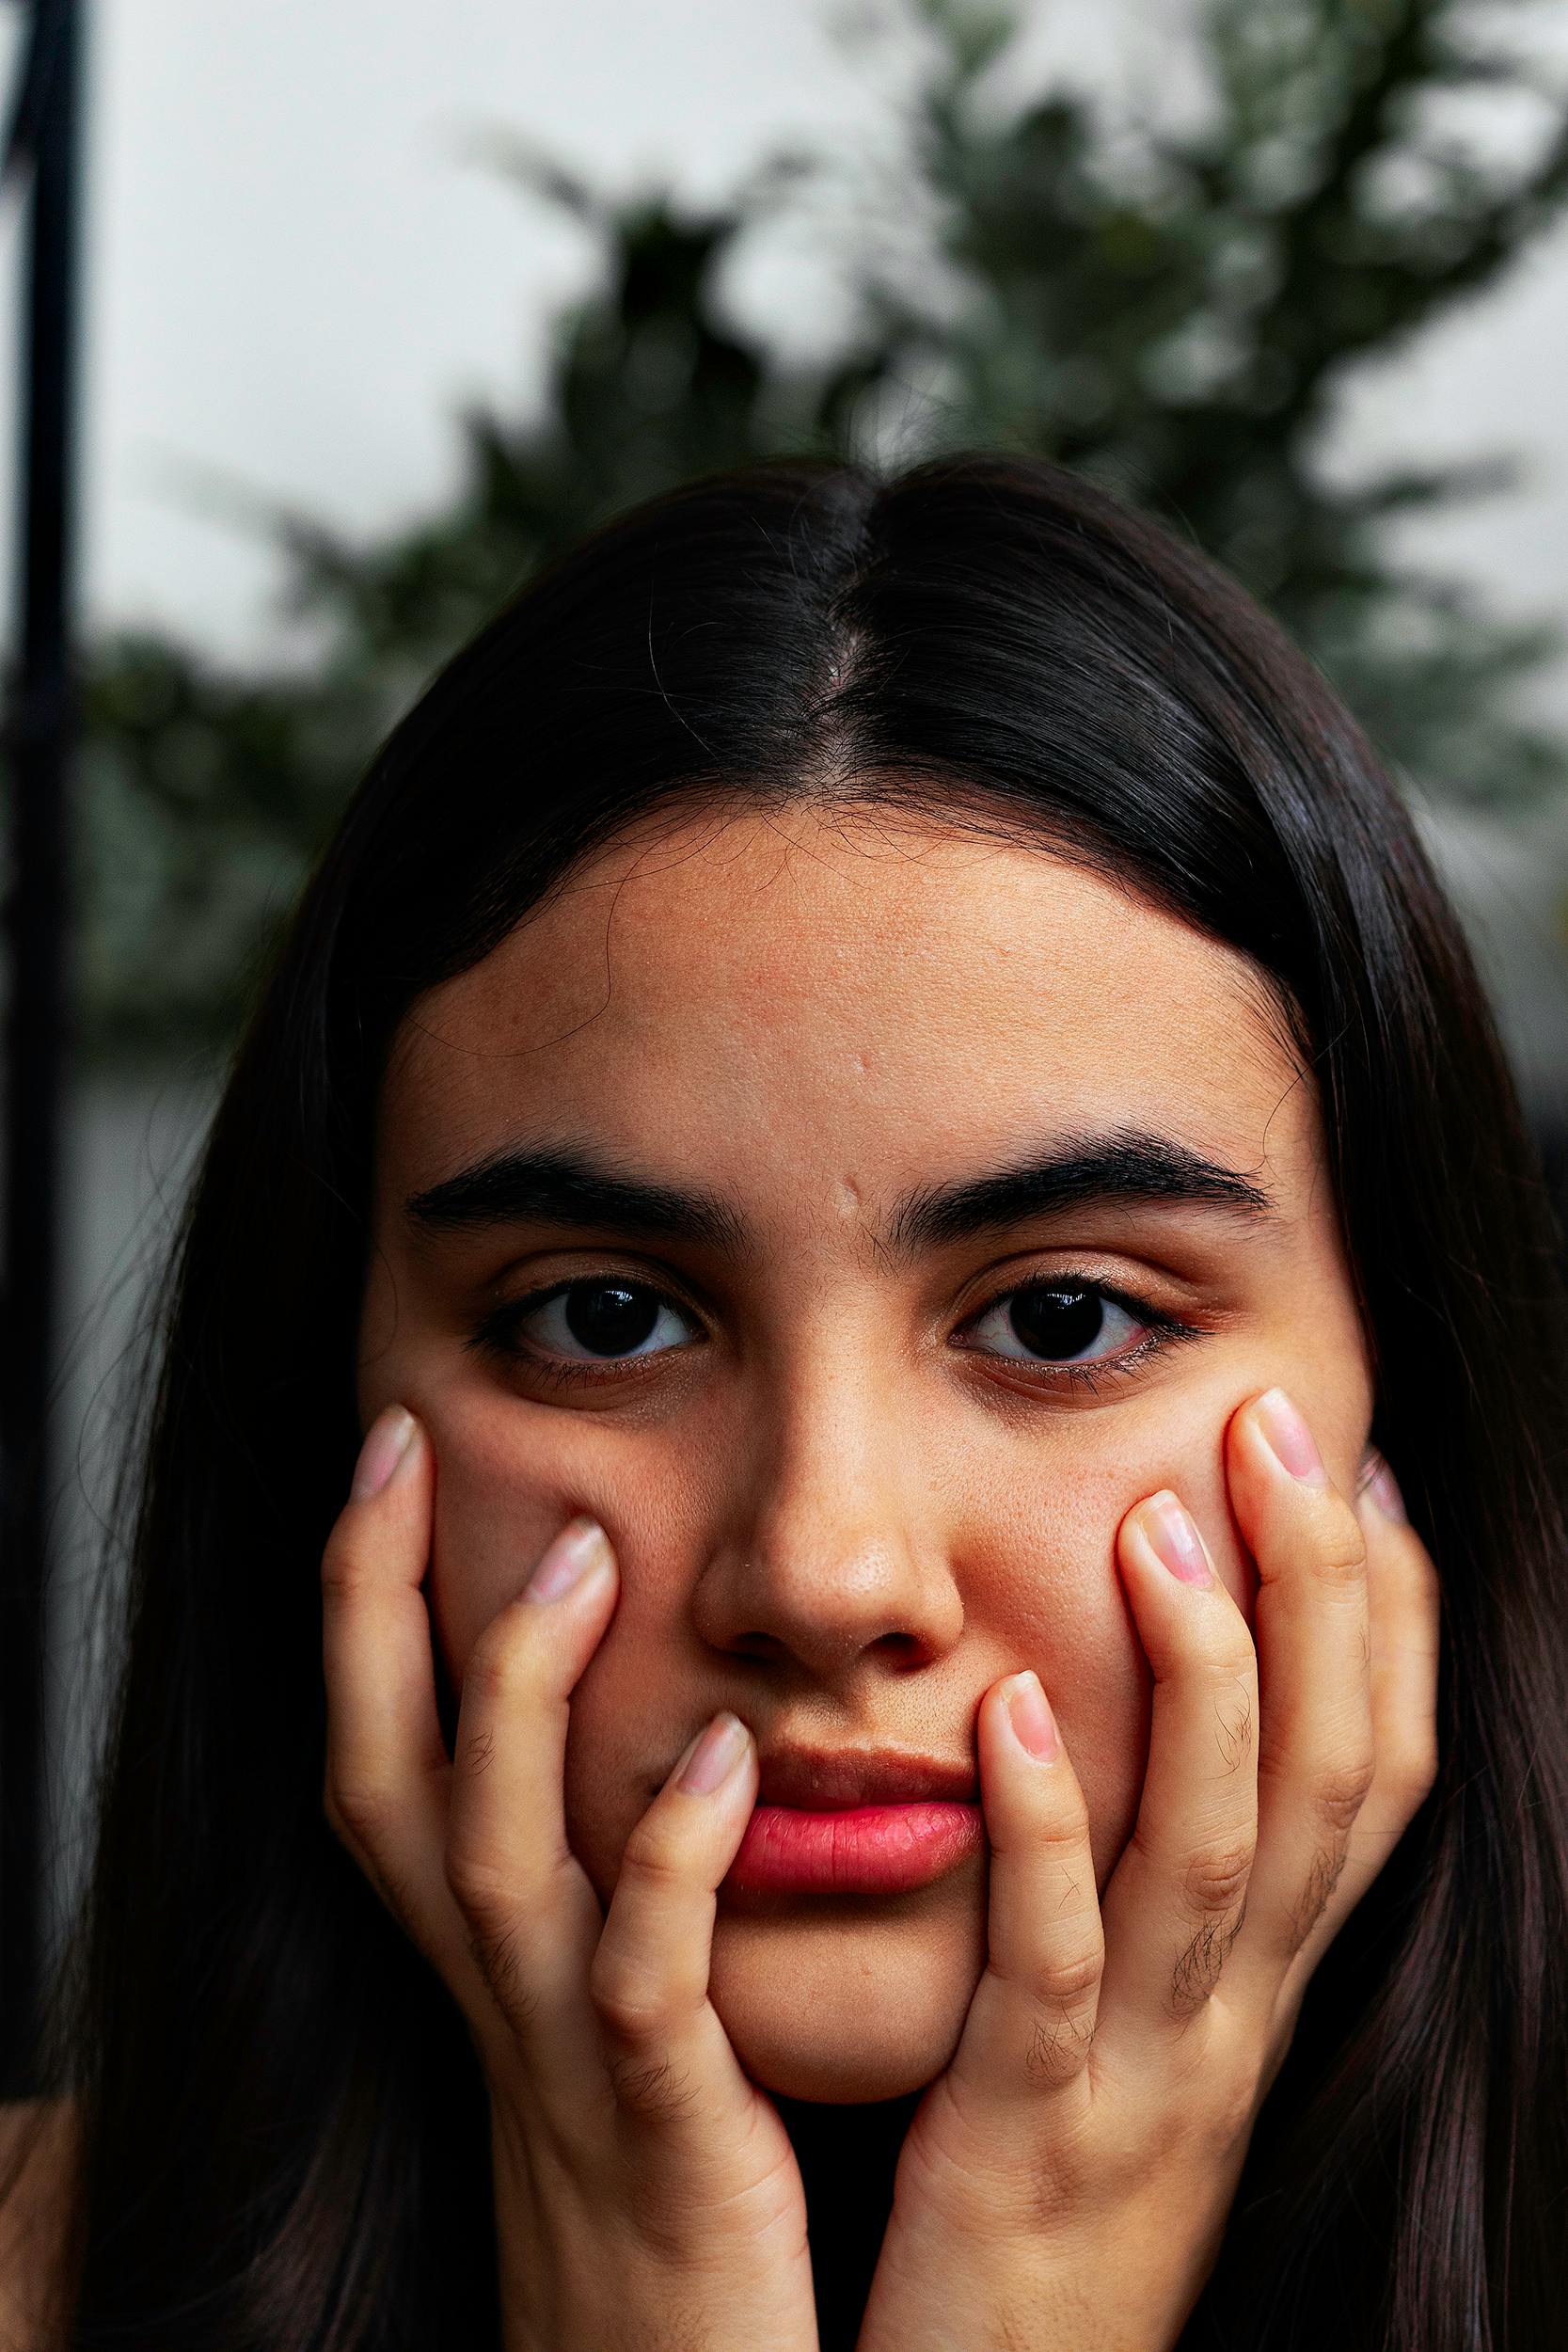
{"x": 380, "y": 303}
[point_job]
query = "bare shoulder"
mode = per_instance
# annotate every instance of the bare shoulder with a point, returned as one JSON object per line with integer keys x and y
{"x": 38, "y": 2151}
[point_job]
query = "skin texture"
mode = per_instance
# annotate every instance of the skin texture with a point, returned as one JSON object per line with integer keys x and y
{"x": 830, "y": 1516}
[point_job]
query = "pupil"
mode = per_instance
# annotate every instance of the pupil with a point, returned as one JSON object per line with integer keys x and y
{"x": 611, "y": 1318}
{"x": 1057, "y": 1323}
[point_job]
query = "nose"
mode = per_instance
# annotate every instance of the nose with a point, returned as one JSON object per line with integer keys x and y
{"x": 829, "y": 1554}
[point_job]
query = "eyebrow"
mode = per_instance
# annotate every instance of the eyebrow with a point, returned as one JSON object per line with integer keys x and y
{"x": 1137, "y": 1168}
{"x": 570, "y": 1188}
{"x": 559, "y": 1187}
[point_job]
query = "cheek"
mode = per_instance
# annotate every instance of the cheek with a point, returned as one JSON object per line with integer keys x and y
{"x": 1038, "y": 1565}
{"x": 508, "y": 1479}
{"x": 1049, "y": 1593}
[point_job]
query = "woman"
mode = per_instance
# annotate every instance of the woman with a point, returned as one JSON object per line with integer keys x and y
{"x": 877, "y": 1133}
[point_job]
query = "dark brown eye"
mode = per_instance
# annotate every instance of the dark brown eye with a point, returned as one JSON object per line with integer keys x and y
{"x": 1057, "y": 1324}
{"x": 602, "y": 1319}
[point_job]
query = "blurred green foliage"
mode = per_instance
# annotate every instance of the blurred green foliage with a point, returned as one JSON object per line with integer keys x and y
{"x": 1176, "y": 309}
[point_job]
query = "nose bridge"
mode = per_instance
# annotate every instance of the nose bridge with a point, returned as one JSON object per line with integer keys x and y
{"x": 830, "y": 1548}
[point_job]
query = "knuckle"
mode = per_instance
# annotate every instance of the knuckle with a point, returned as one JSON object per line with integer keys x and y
{"x": 477, "y": 1753}
{"x": 1216, "y": 1879}
{"x": 1062, "y": 1836}
{"x": 656, "y": 1863}
{"x": 1340, "y": 1794}
{"x": 1323, "y": 1877}
{"x": 1221, "y": 1656}
{"x": 1066, "y": 1981}
{"x": 1235, "y": 1726}
{"x": 1231, "y": 1658}
{"x": 343, "y": 1573}
{"x": 1058, "y": 2046}
{"x": 499, "y": 1955}
{"x": 1197, "y": 1971}
{"x": 500, "y": 1670}
{"x": 497, "y": 1929}
{"x": 1339, "y": 1554}
{"x": 481, "y": 1892}
{"x": 652, "y": 2089}
{"x": 359, "y": 1811}
{"x": 633, "y": 2008}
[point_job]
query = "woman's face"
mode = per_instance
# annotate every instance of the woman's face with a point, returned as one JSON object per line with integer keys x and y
{"x": 801, "y": 1106}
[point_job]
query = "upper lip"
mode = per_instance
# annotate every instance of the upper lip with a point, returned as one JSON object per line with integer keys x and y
{"x": 829, "y": 1780}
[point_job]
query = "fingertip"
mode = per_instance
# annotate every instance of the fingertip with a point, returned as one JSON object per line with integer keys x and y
{"x": 1161, "y": 1536}
{"x": 574, "y": 1560}
{"x": 389, "y": 1452}
{"x": 1277, "y": 1480}
{"x": 1287, "y": 1438}
{"x": 719, "y": 1752}
{"x": 1027, "y": 1714}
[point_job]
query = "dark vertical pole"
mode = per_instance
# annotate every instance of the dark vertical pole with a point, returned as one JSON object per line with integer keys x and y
{"x": 39, "y": 735}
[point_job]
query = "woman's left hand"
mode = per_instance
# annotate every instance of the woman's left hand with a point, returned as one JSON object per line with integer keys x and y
{"x": 1066, "y": 2182}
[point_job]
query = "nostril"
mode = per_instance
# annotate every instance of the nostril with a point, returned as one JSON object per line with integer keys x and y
{"x": 902, "y": 1649}
{"x": 758, "y": 1645}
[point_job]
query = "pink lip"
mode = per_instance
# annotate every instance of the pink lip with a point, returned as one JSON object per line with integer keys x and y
{"x": 856, "y": 1849}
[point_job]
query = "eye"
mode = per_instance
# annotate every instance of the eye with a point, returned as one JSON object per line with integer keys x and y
{"x": 1057, "y": 1323}
{"x": 602, "y": 1319}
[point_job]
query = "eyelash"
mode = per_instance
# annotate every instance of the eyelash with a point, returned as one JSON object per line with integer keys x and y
{"x": 497, "y": 1336}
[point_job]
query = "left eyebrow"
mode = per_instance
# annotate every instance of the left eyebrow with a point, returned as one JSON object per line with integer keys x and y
{"x": 548, "y": 1186}
{"x": 1150, "y": 1171}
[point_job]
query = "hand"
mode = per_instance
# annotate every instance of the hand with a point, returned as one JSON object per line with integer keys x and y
{"x": 647, "y": 2193}
{"x": 1066, "y": 2182}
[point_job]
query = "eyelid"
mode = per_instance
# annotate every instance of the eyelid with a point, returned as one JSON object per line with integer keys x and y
{"x": 496, "y": 1333}
{"x": 1044, "y": 1377}
{"x": 1144, "y": 1311}
{"x": 1081, "y": 1272}
{"x": 604, "y": 1265}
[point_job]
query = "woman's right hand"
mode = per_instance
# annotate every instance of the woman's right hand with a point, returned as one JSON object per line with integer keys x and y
{"x": 646, "y": 2192}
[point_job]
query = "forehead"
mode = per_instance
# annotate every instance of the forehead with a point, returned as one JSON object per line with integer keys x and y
{"x": 748, "y": 996}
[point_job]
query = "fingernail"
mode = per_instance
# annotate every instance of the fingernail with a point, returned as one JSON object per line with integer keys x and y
{"x": 1383, "y": 1487}
{"x": 581, "y": 1545}
{"x": 1289, "y": 1439}
{"x": 714, "y": 1756}
{"x": 1033, "y": 1724}
{"x": 384, "y": 1446}
{"x": 1175, "y": 1538}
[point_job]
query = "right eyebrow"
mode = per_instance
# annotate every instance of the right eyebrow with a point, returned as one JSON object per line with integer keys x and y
{"x": 1148, "y": 1170}
{"x": 567, "y": 1188}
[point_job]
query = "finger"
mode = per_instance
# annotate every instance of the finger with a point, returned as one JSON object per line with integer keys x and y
{"x": 1405, "y": 1607}
{"x": 1177, "y": 1895}
{"x": 1034, "y": 2012}
{"x": 669, "y": 2060}
{"x": 531, "y": 1915}
{"x": 1315, "y": 1746}
{"x": 387, "y": 1771}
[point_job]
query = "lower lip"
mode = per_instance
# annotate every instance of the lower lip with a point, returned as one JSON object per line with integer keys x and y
{"x": 867, "y": 1850}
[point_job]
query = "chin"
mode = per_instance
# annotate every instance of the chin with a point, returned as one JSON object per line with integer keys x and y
{"x": 846, "y": 2002}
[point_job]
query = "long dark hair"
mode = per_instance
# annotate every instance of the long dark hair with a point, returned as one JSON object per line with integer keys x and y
{"x": 285, "y": 2145}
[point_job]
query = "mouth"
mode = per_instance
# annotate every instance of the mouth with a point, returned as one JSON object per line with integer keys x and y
{"x": 868, "y": 1822}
